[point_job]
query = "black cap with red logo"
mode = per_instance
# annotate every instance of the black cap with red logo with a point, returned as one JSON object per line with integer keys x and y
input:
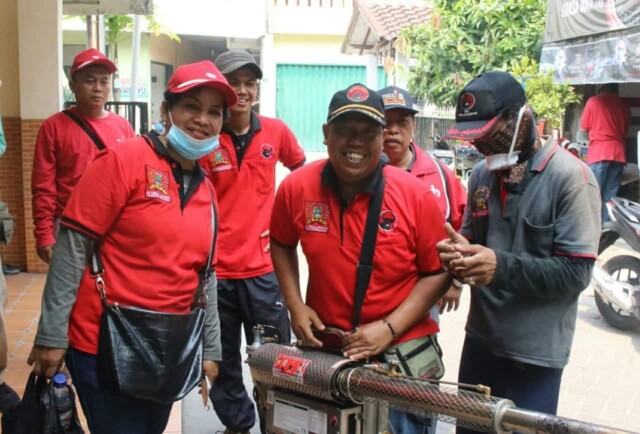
{"x": 357, "y": 98}
{"x": 481, "y": 103}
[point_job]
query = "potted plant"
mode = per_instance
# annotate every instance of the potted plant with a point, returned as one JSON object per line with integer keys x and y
{"x": 548, "y": 99}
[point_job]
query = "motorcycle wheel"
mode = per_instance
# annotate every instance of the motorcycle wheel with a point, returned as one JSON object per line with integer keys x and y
{"x": 622, "y": 268}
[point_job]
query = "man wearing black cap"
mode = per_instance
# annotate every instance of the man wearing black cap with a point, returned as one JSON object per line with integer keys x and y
{"x": 527, "y": 246}
{"x": 328, "y": 207}
{"x": 243, "y": 169}
{"x": 64, "y": 149}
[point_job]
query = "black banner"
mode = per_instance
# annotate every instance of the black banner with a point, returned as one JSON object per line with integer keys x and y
{"x": 567, "y": 19}
{"x": 605, "y": 59}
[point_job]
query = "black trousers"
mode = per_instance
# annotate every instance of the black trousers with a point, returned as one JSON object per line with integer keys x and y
{"x": 242, "y": 304}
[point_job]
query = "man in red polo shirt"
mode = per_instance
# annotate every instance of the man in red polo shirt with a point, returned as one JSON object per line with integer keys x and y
{"x": 607, "y": 119}
{"x": 64, "y": 150}
{"x": 402, "y": 152}
{"x": 324, "y": 206}
{"x": 243, "y": 173}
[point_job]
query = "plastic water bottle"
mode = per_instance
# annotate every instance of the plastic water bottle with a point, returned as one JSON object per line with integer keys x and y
{"x": 64, "y": 401}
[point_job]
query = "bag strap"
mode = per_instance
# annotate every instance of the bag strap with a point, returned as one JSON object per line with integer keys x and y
{"x": 447, "y": 190}
{"x": 92, "y": 135}
{"x": 97, "y": 269}
{"x": 365, "y": 264}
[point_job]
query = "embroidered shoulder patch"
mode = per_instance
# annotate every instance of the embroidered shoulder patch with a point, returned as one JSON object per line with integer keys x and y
{"x": 157, "y": 184}
{"x": 219, "y": 160}
{"x": 480, "y": 202}
{"x": 316, "y": 216}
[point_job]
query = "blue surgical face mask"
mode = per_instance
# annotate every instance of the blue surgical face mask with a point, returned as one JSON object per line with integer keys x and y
{"x": 187, "y": 146}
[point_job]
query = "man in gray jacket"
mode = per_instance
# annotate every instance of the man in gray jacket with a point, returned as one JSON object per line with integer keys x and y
{"x": 527, "y": 246}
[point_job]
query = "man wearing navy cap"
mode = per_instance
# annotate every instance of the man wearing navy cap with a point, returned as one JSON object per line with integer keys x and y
{"x": 451, "y": 195}
{"x": 64, "y": 149}
{"x": 325, "y": 206}
{"x": 527, "y": 246}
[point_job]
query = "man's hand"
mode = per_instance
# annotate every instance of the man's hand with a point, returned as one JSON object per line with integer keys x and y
{"x": 476, "y": 266}
{"x": 45, "y": 253}
{"x": 450, "y": 300}
{"x": 447, "y": 248}
{"x": 265, "y": 234}
{"x": 369, "y": 340}
{"x": 46, "y": 360}
{"x": 302, "y": 319}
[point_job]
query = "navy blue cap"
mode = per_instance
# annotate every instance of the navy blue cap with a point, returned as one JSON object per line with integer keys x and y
{"x": 397, "y": 98}
{"x": 357, "y": 98}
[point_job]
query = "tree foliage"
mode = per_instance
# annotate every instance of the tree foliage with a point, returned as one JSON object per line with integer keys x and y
{"x": 467, "y": 37}
{"x": 548, "y": 99}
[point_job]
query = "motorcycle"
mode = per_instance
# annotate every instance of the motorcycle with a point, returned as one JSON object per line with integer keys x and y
{"x": 617, "y": 283}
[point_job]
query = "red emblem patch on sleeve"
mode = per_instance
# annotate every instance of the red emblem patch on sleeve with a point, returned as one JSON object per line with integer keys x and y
{"x": 316, "y": 216}
{"x": 157, "y": 184}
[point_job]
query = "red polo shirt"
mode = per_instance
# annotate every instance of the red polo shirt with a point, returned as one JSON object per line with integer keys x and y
{"x": 154, "y": 239}
{"x": 308, "y": 210}
{"x": 444, "y": 184}
{"x": 245, "y": 193}
{"x": 607, "y": 119}
{"x": 62, "y": 154}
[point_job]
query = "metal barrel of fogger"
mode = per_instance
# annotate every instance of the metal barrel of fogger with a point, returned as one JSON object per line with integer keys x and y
{"x": 333, "y": 378}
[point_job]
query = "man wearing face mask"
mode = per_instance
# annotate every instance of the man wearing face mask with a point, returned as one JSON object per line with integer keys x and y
{"x": 527, "y": 246}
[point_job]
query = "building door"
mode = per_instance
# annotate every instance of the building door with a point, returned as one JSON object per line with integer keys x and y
{"x": 304, "y": 92}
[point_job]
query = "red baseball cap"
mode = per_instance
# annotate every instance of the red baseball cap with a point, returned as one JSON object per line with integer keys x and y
{"x": 203, "y": 73}
{"x": 92, "y": 57}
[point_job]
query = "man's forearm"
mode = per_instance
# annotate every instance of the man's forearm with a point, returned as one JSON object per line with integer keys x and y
{"x": 427, "y": 291}
{"x": 285, "y": 264}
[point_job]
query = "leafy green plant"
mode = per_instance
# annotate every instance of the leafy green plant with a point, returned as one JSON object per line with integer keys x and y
{"x": 468, "y": 37}
{"x": 550, "y": 100}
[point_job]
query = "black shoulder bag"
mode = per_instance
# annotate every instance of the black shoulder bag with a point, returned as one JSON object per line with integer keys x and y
{"x": 152, "y": 355}
{"x": 92, "y": 135}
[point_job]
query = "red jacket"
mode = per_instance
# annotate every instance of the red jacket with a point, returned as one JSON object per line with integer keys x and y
{"x": 450, "y": 193}
{"x": 62, "y": 154}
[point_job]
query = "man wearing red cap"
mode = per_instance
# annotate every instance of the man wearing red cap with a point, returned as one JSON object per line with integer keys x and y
{"x": 527, "y": 246}
{"x": 69, "y": 141}
{"x": 243, "y": 169}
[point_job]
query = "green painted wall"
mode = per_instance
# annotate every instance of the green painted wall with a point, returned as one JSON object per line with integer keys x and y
{"x": 303, "y": 94}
